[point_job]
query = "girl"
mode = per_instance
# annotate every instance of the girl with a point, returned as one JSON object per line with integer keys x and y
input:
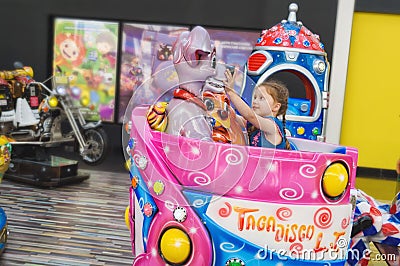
{"x": 270, "y": 100}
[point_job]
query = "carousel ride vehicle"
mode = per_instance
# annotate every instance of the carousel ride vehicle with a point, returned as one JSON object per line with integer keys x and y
{"x": 197, "y": 198}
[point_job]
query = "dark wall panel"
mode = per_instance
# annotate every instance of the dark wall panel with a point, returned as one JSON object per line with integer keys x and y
{"x": 26, "y": 30}
{"x": 27, "y": 24}
{"x": 378, "y": 6}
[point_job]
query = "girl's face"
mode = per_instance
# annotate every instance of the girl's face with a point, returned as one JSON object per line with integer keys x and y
{"x": 263, "y": 103}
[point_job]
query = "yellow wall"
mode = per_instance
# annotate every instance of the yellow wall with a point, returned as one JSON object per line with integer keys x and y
{"x": 371, "y": 115}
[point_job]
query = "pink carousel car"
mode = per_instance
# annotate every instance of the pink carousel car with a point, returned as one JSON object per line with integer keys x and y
{"x": 204, "y": 203}
{"x": 200, "y": 202}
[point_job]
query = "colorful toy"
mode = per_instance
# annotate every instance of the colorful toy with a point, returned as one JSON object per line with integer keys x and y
{"x": 25, "y": 71}
{"x": 226, "y": 129}
{"x": 290, "y": 47}
{"x": 198, "y": 202}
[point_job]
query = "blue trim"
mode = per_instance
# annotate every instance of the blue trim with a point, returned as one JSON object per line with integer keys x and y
{"x": 143, "y": 195}
{"x": 3, "y": 218}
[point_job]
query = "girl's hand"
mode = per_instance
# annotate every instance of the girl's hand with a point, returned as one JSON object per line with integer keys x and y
{"x": 230, "y": 80}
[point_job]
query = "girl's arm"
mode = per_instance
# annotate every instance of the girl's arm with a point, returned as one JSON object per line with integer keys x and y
{"x": 242, "y": 122}
{"x": 264, "y": 124}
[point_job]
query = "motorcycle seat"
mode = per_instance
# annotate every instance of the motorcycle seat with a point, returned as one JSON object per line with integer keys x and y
{"x": 23, "y": 114}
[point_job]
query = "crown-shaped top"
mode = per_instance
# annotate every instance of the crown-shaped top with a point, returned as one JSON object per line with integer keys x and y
{"x": 290, "y": 33}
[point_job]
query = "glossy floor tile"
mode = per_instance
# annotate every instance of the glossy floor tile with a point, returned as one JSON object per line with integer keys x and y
{"x": 79, "y": 224}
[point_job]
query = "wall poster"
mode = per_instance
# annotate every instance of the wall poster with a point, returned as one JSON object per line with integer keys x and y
{"x": 233, "y": 47}
{"x": 85, "y": 51}
{"x": 146, "y": 49}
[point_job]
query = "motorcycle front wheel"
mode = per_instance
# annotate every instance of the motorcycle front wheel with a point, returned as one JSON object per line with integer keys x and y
{"x": 97, "y": 140}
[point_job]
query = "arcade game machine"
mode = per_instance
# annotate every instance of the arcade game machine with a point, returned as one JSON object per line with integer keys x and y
{"x": 36, "y": 119}
{"x": 197, "y": 202}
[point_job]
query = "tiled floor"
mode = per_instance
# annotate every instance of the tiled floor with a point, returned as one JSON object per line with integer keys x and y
{"x": 80, "y": 224}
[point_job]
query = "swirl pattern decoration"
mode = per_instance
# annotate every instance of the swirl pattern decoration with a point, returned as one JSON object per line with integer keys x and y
{"x": 225, "y": 212}
{"x": 284, "y": 213}
{"x": 308, "y": 171}
{"x": 323, "y": 218}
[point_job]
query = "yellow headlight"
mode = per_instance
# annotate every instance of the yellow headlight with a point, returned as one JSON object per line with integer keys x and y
{"x": 53, "y": 101}
{"x": 175, "y": 246}
{"x": 335, "y": 180}
{"x": 85, "y": 101}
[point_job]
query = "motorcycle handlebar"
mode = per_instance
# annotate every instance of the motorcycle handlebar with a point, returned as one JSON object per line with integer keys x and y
{"x": 43, "y": 86}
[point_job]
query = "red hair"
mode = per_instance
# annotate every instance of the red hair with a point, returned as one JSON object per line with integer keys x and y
{"x": 77, "y": 39}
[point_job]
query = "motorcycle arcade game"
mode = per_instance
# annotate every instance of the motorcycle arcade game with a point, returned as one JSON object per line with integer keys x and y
{"x": 33, "y": 133}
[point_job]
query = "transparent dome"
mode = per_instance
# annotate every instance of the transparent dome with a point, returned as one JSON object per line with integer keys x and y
{"x": 161, "y": 85}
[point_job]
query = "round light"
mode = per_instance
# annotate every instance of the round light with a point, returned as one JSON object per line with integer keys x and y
{"x": 319, "y": 66}
{"x": 128, "y": 127}
{"x": 304, "y": 107}
{"x": 61, "y": 90}
{"x": 300, "y": 130}
{"x": 135, "y": 181}
{"x": 175, "y": 246}
{"x": 180, "y": 214}
{"x": 235, "y": 262}
{"x": 76, "y": 91}
{"x": 53, "y": 101}
{"x": 158, "y": 187}
{"x": 315, "y": 131}
{"x": 335, "y": 180}
{"x": 148, "y": 209}
{"x": 85, "y": 101}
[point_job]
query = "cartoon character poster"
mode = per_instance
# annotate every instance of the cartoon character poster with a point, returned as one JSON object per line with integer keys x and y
{"x": 145, "y": 50}
{"x": 86, "y": 52}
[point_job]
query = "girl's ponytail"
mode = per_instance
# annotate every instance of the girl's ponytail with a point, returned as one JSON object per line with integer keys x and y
{"x": 287, "y": 143}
